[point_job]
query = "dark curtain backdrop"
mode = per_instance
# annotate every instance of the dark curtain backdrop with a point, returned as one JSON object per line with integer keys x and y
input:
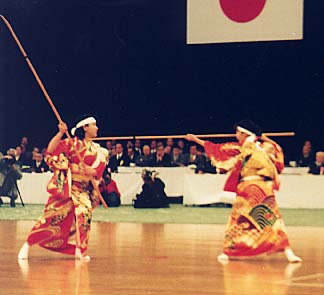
{"x": 127, "y": 63}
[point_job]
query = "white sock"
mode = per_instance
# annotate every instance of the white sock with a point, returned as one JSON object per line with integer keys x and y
{"x": 23, "y": 253}
{"x": 78, "y": 255}
{"x": 223, "y": 258}
{"x": 291, "y": 256}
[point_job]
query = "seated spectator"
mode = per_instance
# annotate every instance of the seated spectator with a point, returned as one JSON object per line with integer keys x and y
{"x": 205, "y": 166}
{"x": 161, "y": 159}
{"x": 9, "y": 174}
{"x": 194, "y": 158}
{"x": 38, "y": 165}
{"x": 153, "y": 146}
{"x": 159, "y": 143}
{"x": 132, "y": 155}
{"x": 317, "y": 167}
{"x": 176, "y": 157}
{"x": 24, "y": 143}
{"x": 146, "y": 159}
{"x": 307, "y": 156}
{"x": 168, "y": 149}
{"x": 182, "y": 145}
{"x": 208, "y": 167}
{"x": 138, "y": 147}
{"x": 109, "y": 146}
{"x": 129, "y": 144}
{"x": 109, "y": 190}
{"x": 152, "y": 194}
{"x": 19, "y": 156}
{"x": 43, "y": 151}
{"x": 120, "y": 159}
{"x": 170, "y": 142}
{"x": 30, "y": 157}
{"x": 113, "y": 152}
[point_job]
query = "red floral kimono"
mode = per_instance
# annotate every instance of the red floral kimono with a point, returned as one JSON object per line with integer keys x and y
{"x": 255, "y": 225}
{"x": 68, "y": 211}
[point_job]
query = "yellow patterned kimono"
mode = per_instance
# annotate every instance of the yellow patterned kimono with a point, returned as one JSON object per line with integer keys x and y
{"x": 255, "y": 225}
{"x": 68, "y": 211}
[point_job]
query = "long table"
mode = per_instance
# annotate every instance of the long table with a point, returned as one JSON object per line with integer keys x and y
{"x": 298, "y": 190}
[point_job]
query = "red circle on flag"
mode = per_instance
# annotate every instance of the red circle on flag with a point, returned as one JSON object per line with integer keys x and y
{"x": 242, "y": 11}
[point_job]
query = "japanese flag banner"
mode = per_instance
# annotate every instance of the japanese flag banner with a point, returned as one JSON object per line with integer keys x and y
{"x": 222, "y": 21}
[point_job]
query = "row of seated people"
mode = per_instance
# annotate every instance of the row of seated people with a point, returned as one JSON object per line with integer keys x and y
{"x": 34, "y": 162}
{"x": 12, "y": 164}
{"x": 173, "y": 154}
{"x": 310, "y": 157}
{"x": 29, "y": 159}
{"x": 164, "y": 156}
{"x": 153, "y": 155}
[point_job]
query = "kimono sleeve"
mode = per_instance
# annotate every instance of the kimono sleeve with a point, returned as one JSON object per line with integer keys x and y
{"x": 222, "y": 155}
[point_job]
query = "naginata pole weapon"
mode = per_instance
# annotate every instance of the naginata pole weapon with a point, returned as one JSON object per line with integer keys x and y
{"x": 218, "y": 135}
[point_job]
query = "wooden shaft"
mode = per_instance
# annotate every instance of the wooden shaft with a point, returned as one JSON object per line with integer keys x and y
{"x": 224, "y": 135}
{"x": 114, "y": 138}
{"x": 49, "y": 100}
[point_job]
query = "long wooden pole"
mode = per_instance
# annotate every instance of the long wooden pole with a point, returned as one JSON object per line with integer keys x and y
{"x": 49, "y": 100}
{"x": 224, "y": 135}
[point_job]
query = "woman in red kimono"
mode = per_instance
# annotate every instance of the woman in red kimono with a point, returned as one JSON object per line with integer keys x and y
{"x": 65, "y": 224}
{"x": 255, "y": 226}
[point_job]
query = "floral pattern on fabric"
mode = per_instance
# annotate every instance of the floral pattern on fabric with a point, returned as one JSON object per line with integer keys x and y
{"x": 255, "y": 225}
{"x": 68, "y": 211}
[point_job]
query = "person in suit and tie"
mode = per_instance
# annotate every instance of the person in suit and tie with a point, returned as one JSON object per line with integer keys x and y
{"x": 153, "y": 146}
{"x": 193, "y": 158}
{"x": 20, "y": 156}
{"x": 133, "y": 156}
{"x": 138, "y": 147}
{"x": 120, "y": 159}
{"x": 38, "y": 165}
{"x": 317, "y": 167}
{"x": 176, "y": 157}
{"x": 146, "y": 159}
{"x": 161, "y": 159}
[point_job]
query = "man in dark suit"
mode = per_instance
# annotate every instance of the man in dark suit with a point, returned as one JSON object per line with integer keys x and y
{"x": 138, "y": 147}
{"x": 317, "y": 167}
{"x": 194, "y": 158}
{"x": 176, "y": 157}
{"x": 161, "y": 159}
{"x": 153, "y": 146}
{"x": 133, "y": 157}
{"x": 38, "y": 165}
{"x": 146, "y": 159}
{"x": 20, "y": 156}
{"x": 120, "y": 159}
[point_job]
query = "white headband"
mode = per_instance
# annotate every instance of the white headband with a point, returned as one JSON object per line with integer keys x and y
{"x": 83, "y": 122}
{"x": 248, "y": 132}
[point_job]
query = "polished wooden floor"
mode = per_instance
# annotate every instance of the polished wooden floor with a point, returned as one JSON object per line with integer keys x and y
{"x": 159, "y": 259}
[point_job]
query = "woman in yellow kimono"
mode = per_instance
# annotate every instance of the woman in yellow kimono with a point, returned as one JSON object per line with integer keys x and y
{"x": 65, "y": 224}
{"x": 255, "y": 226}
